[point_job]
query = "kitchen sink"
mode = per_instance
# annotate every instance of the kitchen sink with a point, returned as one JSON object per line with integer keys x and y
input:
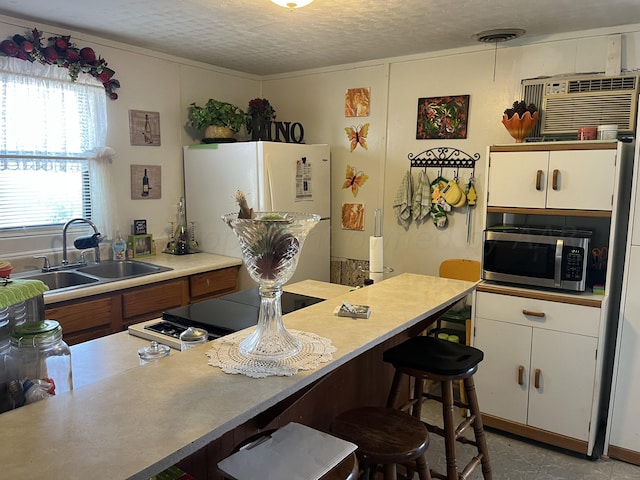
{"x": 120, "y": 269}
{"x": 62, "y": 279}
{"x": 93, "y": 274}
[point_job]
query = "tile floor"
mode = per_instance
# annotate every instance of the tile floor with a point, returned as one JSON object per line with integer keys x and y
{"x": 513, "y": 458}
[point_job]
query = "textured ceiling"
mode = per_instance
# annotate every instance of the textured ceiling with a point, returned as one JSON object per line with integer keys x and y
{"x": 259, "y": 37}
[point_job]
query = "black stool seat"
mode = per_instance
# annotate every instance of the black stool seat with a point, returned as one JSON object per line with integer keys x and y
{"x": 430, "y": 354}
{"x": 428, "y": 358}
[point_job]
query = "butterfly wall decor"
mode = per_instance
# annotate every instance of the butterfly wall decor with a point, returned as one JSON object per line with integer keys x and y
{"x": 358, "y": 135}
{"x": 354, "y": 179}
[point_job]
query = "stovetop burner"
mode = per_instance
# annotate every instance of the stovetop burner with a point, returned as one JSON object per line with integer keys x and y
{"x": 224, "y": 315}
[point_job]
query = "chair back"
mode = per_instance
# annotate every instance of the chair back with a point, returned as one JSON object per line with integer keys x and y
{"x": 460, "y": 269}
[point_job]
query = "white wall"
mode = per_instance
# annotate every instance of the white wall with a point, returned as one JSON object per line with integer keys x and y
{"x": 156, "y": 82}
{"x": 316, "y": 99}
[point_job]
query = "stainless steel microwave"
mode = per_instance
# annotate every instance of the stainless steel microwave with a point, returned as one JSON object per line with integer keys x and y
{"x": 542, "y": 257}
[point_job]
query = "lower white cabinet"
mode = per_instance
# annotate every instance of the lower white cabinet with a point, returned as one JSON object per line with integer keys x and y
{"x": 539, "y": 366}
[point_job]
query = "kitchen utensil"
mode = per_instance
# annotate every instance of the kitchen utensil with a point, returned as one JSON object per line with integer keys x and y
{"x": 471, "y": 198}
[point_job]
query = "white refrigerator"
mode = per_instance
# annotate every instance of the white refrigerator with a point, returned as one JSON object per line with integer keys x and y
{"x": 274, "y": 177}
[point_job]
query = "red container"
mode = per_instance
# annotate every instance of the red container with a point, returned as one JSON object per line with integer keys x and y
{"x": 587, "y": 133}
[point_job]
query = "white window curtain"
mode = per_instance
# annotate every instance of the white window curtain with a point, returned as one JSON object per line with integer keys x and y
{"x": 46, "y": 118}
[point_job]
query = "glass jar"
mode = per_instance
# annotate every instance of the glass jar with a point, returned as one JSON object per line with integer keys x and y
{"x": 153, "y": 352}
{"x": 193, "y": 337}
{"x": 38, "y": 362}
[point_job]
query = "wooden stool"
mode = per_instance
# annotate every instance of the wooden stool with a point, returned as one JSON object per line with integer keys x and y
{"x": 446, "y": 362}
{"x": 385, "y": 437}
{"x": 347, "y": 469}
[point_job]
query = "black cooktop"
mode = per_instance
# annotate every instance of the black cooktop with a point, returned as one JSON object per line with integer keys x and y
{"x": 228, "y": 314}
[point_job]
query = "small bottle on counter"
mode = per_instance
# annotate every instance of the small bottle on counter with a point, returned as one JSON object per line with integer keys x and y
{"x": 130, "y": 250}
{"x": 119, "y": 248}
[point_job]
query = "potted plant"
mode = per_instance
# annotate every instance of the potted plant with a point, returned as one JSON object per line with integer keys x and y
{"x": 217, "y": 119}
{"x": 520, "y": 119}
{"x": 260, "y": 114}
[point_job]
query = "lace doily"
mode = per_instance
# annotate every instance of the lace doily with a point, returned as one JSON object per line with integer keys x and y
{"x": 224, "y": 353}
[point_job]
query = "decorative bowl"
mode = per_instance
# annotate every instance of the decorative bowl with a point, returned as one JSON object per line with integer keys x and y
{"x": 520, "y": 128}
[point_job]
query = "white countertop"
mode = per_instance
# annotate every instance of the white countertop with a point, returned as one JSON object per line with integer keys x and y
{"x": 141, "y": 420}
{"x": 181, "y": 265}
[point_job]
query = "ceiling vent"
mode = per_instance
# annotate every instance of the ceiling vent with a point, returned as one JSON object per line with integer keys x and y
{"x": 569, "y": 103}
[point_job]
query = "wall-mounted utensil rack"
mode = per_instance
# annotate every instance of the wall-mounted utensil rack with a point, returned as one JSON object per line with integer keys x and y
{"x": 443, "y": 157}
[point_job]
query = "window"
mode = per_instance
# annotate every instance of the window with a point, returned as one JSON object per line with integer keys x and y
{"x": 50, "y": 129}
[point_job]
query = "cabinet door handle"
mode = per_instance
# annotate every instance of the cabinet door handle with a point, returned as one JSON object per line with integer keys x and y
{"x": 521, "y": 375}
{"x": 536, "y": 378}
{"x": 555, "y": 179}
{"x": 533, "y": 314}
{"x": 539, "y": 180}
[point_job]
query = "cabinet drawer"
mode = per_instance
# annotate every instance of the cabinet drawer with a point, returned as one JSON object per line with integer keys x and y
{"x": 214, "y": 283}
{"x": 533, "y": 312}
{"x": 154, "y": 298}
{"x": 85, "y": 320}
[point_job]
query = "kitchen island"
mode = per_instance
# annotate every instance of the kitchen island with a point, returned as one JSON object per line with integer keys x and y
{"x": 136, "y": 422}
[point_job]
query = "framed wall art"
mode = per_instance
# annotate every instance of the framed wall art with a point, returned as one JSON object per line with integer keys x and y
{"x": 146, "y": 182}
{"x": 442, "y": 117}
{"x": 357, "y": 102}
{"x": 353, "y": 216}
{"x": 144, "y": 128}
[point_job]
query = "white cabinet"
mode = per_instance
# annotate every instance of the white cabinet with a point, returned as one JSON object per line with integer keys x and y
{"x": 566, "y": 179}
{"x": 539, "y": 367}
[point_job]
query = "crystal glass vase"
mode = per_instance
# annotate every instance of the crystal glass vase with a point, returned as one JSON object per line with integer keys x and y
{"x": 271, "y": 243}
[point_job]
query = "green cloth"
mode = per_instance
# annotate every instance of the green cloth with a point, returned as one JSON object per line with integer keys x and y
{"x": 20, "y": 290}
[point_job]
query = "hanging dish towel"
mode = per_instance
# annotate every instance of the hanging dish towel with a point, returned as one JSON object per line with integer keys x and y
{"x": 20, "y": 290}
{"x": 422, "y": 198}
{"x": 402, "y": 203}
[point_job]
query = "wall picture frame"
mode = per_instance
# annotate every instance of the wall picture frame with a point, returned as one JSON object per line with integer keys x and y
{"x": 146, "y": 182}
{"x": 442, "y": 117}
{"x": 144, "y": 128}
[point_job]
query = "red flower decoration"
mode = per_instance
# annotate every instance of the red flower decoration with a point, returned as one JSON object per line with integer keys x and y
{"x": 62, "y": 52}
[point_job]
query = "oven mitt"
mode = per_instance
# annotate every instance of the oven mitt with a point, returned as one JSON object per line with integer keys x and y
{"x": 439, "y": 216}
{"x": 422, "y": 198}
{"x": 402, "y": 202}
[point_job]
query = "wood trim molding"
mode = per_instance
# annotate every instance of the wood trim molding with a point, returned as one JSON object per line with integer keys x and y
{"x": 555, "y": 212}
{"x": 554, "y": 147}
{"x": 539, "y": 295}
{"x": 624, "y": 454}
{"x": 537, "y": 434}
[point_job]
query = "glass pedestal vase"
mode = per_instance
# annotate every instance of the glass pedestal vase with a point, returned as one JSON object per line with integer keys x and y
{"x": 271, "y": 244}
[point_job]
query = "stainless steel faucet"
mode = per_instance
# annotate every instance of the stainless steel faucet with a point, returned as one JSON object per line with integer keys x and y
{"x": 65, "y": 262}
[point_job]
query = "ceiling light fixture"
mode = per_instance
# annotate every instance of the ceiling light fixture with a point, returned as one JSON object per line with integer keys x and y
{"x": 291, "y": 5}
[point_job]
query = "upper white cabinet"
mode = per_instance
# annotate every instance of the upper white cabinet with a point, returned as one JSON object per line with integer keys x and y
{"x": 564, "y": 179}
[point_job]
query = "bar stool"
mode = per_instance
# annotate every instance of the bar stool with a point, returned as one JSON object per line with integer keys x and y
{"x": 423, "y": 358}
{"x": 385, "y": 437}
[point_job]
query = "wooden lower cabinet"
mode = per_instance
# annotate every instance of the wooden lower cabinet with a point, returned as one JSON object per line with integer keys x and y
{"x": 86, "y": 320}
{"x": 93, "y": 317}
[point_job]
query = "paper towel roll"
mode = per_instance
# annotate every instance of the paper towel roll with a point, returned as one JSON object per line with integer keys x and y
{"x": 376, "y": 266}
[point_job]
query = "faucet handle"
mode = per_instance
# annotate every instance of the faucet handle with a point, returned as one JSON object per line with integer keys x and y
{"x": 46, "y": 266}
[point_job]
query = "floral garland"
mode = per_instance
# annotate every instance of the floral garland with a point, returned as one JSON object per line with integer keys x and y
{"x": 62, "y": 52}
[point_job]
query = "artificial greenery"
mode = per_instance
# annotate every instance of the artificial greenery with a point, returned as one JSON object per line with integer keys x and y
{"x": 214, "y": 112}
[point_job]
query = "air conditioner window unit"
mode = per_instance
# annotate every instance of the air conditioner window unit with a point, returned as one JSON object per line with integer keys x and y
{"x": 571, "y": 102}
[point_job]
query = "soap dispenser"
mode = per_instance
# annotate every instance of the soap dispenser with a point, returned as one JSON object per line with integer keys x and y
{"x": 119, "y": 248}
